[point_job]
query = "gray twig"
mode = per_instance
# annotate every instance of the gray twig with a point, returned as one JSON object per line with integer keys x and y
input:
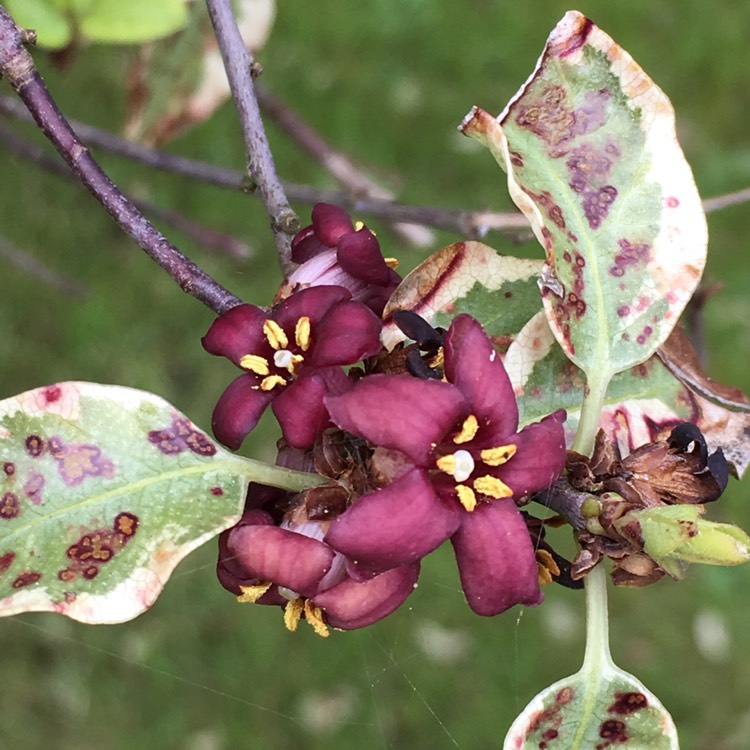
{"x": 17, "y": 67}
{"x": 239, "y": 65}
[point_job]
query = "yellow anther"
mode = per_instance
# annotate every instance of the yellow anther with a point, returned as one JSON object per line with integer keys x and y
{"x": 498, "y": 456}
{"x": 438, "y": 360}
{"x": 447, "y": 463}
{"x": 251, "y": 594}
{"x": 392, "y": 263}
{"x": 293, "y": 613}
{"x": 546, "y": 567}
{"x": 358, "y": 225}
{"x": 254, "y": 363}
{"x": 492, "y": 487}
{"x": 466, "y": 497}
{"x": 468, "y": 430}
{"x": 269, "y": 383}
{"x": 275, "y": 335}
{"x": 302, "y": 333}
{"x": 314, "y": 616}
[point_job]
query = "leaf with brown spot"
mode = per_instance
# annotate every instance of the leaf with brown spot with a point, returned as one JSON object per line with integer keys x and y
{"x": 468, "y": 277}
{"x": 593, "y": 162}
{"x": 103, "y": 514}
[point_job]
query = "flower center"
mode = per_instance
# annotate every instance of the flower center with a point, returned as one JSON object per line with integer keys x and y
{"x": 461, "y": 464}
{"x": 284, "y": 356}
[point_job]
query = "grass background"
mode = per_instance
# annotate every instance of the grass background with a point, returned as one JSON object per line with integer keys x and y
{"x": 388, "y": 82}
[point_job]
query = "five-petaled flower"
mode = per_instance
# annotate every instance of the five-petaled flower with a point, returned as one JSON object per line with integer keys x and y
{"x": 332, "y": 251}
{"x": 292, "y": 357}
{"x": 464, "y": 467}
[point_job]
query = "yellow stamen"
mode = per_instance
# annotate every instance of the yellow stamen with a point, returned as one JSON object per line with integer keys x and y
{"x": 492, "y": 487}
{"x": 546, "y": 567}
{"x": 392, "y": 263}
{"x": 447, "y": 463}
{"x": 254, "y": 363}
{"x": 302, "y": 333}
{"x": 498, "y": 456}
{"x": 358, "y": 225}
{"x": 314, "y": 616}
{"x": 438, "y": 360}
{"x": 275, "y": 335}
{"x": 468, "y": 430}
{"x": 251, "y": 594}
{"x": 269, "y": 383}
{"x": 293, "y": 613}
{"x": 466, "y": 497}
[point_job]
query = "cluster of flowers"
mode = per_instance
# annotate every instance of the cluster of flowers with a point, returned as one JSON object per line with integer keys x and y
{"x": 421, "y": 447}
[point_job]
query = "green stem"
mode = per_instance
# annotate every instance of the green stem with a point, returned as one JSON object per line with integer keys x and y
{"x": 597, "y": 656}
{"x": 591, "y": 412}
{"x": 597, "y": 661}
{"x": 278, "y": 476}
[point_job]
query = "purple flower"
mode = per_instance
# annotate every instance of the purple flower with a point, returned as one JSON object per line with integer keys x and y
{"x": 332, "y": 251}
{"x": 464, "y": 467}
{"x": 292, "y": 567}
{"x": 292, "y": 357}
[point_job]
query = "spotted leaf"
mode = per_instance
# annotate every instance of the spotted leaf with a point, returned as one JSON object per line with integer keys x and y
{"x": 500, "y": 291}
{"x": 593, "y": 162}
{"x": 609, "y": 709}
{"x": 103, "y": 490}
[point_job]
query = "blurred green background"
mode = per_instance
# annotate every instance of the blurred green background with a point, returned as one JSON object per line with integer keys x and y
{"x": 388, "y": 82}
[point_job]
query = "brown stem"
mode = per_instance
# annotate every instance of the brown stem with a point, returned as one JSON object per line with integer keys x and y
{"x": 17, "y": 67}
{"x": 466, "y": 223}
{"x": 238, "y": 63}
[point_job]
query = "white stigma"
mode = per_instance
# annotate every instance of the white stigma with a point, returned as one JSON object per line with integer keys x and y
{"x": 464, "y": 465}
{"x": 282, "y": 359}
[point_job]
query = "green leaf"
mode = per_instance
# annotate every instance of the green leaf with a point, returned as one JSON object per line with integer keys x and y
{"x": 103, "y": 491}
{"x": 593, "y": 162}
{"x": 500, "y": 291}
{"x": 115, "y": 21}
{"x": 52, "y": 28}
{"x": 601, "y": 706}
{"x": 545, "y": 380}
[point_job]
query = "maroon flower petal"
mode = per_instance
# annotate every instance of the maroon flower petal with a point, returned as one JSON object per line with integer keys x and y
{"x": 400, "y": 411}
{"x": 237, "y": 332}
{"x": 306, "y": 245}
{"x": 394, "y": 526}
{"x": 496, "y": 559}
{"x": 347, "y": 333}
{"x": 359, "y": 254}
{"x": 313, "y": 303}
{"x": 540, "y": 456}
{"x": 238, "y": 410}
{"x": 330, "y": 223}
{"x": 292, "y": 560}
{"x": 352, "y": 604}
{"x": 229, "y": 571}
{"x": 475, "y": 368}
{"x": 300, "y": 410}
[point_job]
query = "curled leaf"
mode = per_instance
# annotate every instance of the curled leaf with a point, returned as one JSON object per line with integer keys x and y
{"x": 468, "y": 277}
